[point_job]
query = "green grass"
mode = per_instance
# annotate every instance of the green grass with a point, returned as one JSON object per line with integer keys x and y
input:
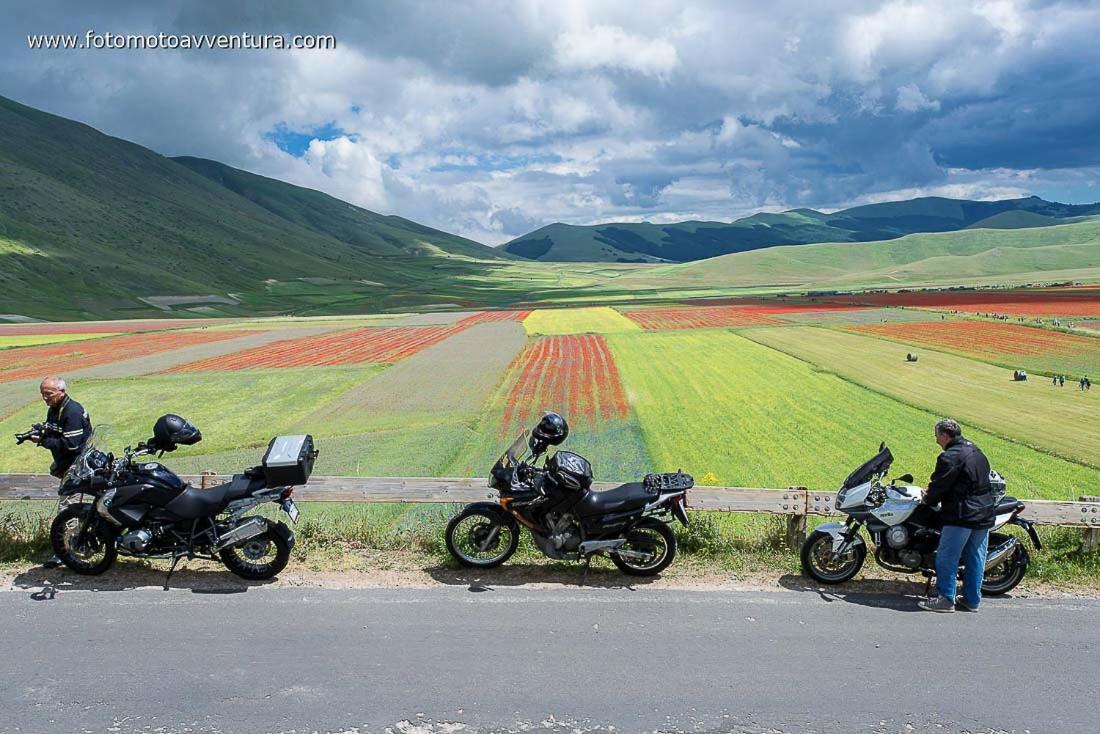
{"x": 31, "y": 340}
{"x": 719, "y": 404}
{"x": 1062, "y": 422}
{"x": 234, "y": 410}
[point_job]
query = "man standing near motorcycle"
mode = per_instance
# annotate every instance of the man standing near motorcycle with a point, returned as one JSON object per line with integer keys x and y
{"x": 960, "y": 485}
{"x": 65, "y": 432}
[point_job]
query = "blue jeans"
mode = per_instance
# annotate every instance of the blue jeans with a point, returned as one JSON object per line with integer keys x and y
{"x": 970, "y": 546}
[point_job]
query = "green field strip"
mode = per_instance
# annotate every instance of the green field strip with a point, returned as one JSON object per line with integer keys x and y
{"x": 748, "y": 415}
{"x": 562, "y": 321}
{"x": 34, "y": 340}
{"x": 1058, "y": 421}
{"x": 232, "y": 409}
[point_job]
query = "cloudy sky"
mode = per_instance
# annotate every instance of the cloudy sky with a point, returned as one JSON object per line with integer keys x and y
{"x": 490, "y": 119}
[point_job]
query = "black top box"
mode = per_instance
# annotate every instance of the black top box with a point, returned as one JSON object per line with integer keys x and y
{"x": 288, "y": 460}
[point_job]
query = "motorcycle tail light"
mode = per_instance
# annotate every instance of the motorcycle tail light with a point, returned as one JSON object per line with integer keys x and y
{"x": 1020, "y": 507}
{"x": 287, "y": 492}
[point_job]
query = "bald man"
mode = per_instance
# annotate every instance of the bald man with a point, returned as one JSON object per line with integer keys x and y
{"x": 67, "y": 425}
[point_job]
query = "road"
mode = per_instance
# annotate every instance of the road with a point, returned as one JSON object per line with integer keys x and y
{"x": 515, "y": 659}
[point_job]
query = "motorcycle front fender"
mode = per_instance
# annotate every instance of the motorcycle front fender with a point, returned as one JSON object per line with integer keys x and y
{"x": 839, "y": 533}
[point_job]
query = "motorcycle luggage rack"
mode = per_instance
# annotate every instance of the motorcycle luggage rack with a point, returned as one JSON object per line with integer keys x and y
{"x": 668, "y": 482}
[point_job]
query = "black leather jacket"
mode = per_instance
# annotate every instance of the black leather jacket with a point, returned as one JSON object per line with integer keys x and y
{"x": 960, "y": 485}
{"x": 67, "y": 428}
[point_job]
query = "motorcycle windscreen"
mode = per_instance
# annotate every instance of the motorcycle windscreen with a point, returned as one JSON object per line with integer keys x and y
{"x": 501, "y": 474}
{"x": 877, "y": 464}
{"x": 79, "y": 474}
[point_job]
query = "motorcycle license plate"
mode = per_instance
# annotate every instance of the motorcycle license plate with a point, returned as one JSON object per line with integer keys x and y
{"x": 292, "y": 510}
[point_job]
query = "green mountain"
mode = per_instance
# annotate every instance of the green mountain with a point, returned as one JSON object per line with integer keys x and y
{"x": 90, "y": 225}
{"x": 966, "y": 257}
{"x": 688, "y": 241}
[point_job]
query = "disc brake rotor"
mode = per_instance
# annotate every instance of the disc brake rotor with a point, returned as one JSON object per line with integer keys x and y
{"x": 254, "y": 550}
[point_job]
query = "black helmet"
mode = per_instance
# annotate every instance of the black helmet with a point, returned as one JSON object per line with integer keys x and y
{"x": 171, "y": 430}
{"x": 569, "y": 470}
{"x": 551, "y": 430}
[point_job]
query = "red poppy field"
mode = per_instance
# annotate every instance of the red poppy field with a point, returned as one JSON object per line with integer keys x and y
{"x": 488, "y": 317}
{"x": 574, "y": 375}
{"x": 18, "y": 364}
{"x": 699, "y": 317}
{"x": 1011, "y": 345}
{"x": 1084, "y": 301}
{"x": 355, "y": 346}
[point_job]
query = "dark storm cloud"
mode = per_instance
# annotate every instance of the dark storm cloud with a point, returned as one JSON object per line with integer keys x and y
{"x": 493, "y": 118}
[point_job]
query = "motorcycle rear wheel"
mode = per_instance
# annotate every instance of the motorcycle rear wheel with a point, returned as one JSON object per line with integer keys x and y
{"x": 475, "y": 535}
{"x": 259, "y": 558}
{"x": 95, "y": 554}
{"x": 1007, "y": 576}
{"x": 819, "y": 563}
{"x": 648, "y": 536}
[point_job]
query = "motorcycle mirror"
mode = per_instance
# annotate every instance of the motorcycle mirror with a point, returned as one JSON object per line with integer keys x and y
{"x": 907, "y": 478}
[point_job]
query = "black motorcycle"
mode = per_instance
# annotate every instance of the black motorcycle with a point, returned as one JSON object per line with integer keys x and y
{"x": 567, "y": 519}
{"x": 140, "y": 508}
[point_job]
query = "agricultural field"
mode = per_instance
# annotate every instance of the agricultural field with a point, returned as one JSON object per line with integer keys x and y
{"x": 1009, "y": 345}
{"x": 597, "y": 320}
{"x": 1067, "y": 302}
{"x": 753, "y": 416}
{"x": 1061, "y": 421}
{"x": 36, "y": 361}
{"x": 737, "y": 391}
{"x": 32, "y": 340}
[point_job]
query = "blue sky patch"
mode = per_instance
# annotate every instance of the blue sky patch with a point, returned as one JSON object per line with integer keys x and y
{"x": 297, "y": 142}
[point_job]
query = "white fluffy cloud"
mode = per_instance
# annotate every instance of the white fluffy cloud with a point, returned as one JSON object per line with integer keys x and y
{"x": 490, "y": 120}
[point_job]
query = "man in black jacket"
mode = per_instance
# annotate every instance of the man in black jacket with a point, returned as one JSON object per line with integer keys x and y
{"x": 66, "y": 431}
{"x": 960, "y": 486}
{"x": 67, "y": 426}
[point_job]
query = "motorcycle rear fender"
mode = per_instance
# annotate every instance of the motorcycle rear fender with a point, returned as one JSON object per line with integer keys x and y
{"x": 281, "y": 529}
{"x": 839, "y": 533}
{"x": 1030, "y": 528}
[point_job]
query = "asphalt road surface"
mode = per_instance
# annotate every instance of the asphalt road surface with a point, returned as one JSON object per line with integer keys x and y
{"x": 512, "y": 659}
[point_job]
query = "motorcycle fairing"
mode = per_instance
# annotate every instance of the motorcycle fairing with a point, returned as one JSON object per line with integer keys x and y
{"x": 877, "y": 464}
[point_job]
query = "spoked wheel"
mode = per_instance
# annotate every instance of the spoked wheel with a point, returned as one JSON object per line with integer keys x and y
{"x": 480, "y": 537}
{"x": 1004, "y": 577}
{"x": 86, "y": 550}
{"x": 827, "y": 567}
{"x": 650, "y": 546}
{"x": 259, "y": 558}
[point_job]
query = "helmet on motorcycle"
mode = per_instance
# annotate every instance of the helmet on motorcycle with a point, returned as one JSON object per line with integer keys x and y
{"x": 551, "y": 430}
{"x": 171, "y": 430}
{"x": 569, "y": 471}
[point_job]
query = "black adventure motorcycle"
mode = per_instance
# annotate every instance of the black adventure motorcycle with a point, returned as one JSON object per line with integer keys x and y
{"x": 140, "y": 508}
{"x": 566, "y": 517}
{"x": 906, "y": 532}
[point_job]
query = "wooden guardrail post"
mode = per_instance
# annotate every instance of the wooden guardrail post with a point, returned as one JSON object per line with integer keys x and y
{"x": 796, "y": 523}
{"x": 208, "y": 479}
{"x": 1091, "y": 536}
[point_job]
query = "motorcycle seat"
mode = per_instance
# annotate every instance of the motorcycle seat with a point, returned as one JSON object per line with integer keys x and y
{"x": 1007, "y": 505}
{"x": 624, "y": 498}
{"x": 193, "y": 502}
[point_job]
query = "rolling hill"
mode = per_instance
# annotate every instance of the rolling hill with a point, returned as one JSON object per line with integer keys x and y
{"x": 688, "y": 241}
{"x": 966, "y": 257}
{"x": 91, "y": 224}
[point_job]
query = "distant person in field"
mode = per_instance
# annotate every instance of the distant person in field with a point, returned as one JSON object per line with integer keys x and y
{"x": 67, "y": 429}
{"x": 1062, "y": 381}
{"x": 960, "y": 486}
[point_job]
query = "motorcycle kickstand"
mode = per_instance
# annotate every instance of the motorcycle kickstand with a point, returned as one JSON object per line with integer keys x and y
{"x": 171, "y": 568}
{"x": 584, "y": 575}
{"x": 928, "y": 586}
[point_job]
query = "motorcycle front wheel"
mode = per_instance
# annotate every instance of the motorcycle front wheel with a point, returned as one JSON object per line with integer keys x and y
{"x": 826, "y": 567}
{"x": 655, "y": 541}
{"x": 1005, "y": 577}
{"x": 480, "y": 537}
{"x": 259, "y": 558}
{"x": 90, "y": 554}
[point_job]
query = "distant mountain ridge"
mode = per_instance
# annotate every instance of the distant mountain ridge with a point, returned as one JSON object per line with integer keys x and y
{"x": 689, "y": 241}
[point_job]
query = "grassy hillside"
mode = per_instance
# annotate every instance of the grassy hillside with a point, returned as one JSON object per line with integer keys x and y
{"x": 687, "y": 241}
{"x": 90, "y": 224}
{"x": 950, "y": 258}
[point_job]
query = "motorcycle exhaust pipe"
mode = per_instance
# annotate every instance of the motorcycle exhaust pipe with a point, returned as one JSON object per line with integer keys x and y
{"x": 1000, "y": 554}
{"x": 245, "y": 531}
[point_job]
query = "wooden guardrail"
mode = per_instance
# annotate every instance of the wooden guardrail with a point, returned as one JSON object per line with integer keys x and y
{"x": 794, "y": 501}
